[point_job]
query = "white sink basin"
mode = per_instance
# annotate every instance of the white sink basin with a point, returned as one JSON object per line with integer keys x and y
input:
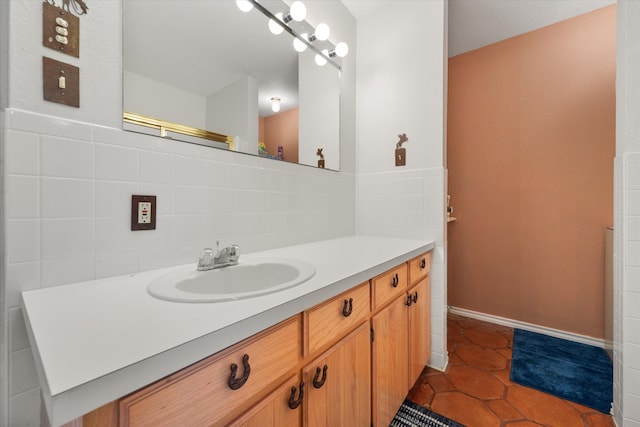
{"x": 250, "y": 278}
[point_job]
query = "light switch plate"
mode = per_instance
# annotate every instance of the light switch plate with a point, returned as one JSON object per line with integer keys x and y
{"x": 401, "y": 156}
{"x": 60, "y": 82}
{"x": 143, "y": 212}
{"x": 64, "y": 38}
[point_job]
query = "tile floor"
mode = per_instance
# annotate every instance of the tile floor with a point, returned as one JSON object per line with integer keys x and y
{"x": 475, "y": 389}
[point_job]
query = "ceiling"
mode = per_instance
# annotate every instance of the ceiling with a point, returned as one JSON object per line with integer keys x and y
{"x": 477, "y": 23}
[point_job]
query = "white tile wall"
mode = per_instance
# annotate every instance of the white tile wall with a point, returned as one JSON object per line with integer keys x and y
{"x": 69, "y": 188}
{"x": 410, "y": 204}
{"x": 64, "y": 157}
{"x": 22, "y": 407}
{"x": 628, "y": 358}
{"x": 24, "y": 151}
{"x": 22, "y": 201}
{"x": 627, "y": 217}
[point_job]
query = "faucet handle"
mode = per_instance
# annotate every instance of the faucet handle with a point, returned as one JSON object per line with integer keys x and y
{"x": 234, "y": 252}
{"x": 206, "y": 257}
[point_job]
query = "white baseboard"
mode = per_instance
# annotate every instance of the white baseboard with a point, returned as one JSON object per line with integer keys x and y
{"x": 584, "y": 339}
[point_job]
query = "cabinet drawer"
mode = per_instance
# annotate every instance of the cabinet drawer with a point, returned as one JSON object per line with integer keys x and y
{"x": 201, "y": 394}
{"x": 331, "y": 320}
{"x": 419, "y": 267}
{"x": 387, "y": 285}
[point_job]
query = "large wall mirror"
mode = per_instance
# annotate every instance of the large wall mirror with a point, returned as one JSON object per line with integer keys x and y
{"x": 205, "y": 72}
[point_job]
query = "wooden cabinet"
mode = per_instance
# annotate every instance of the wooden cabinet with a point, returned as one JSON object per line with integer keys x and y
{"x": 206, "y": 392}
{"x": 349, "y": 361}
{"x": 397, "y": 358}
{"x": 338, "y": 383}
{"x": 419, "y": 314}
{"x": 388, "y": 285}
{"x": 419, "y": 328}
{"x": 419, "y": 267}
{"x": 329, "y": 321}
{"x": 390, "y": 367}
{"x": 280, "y": 408}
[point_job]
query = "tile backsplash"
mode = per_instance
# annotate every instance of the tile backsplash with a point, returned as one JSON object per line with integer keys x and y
{"x": 410, "y": 204}
{"x": 68, "y": 190}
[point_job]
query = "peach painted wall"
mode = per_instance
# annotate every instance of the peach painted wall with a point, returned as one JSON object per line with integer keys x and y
{"x": 281, "y": 129}
{"x": 531, "y": 136}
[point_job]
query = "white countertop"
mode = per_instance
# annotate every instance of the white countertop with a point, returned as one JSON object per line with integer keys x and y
{"x": 96, "y": 341}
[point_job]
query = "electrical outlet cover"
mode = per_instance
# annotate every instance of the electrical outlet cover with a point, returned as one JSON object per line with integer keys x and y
{"x": 143, "y": 212}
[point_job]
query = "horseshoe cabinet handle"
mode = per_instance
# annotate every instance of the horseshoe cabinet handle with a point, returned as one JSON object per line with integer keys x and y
{"x": 319, "y": 383}
{"x": 423, "y": 263}
{"x": 347, "y": 307}
{"x": 235, "y": 383}
{"x": 395, "y": 281}
{"x": 409, "y": 300}
{"x": 293, "y": 402}
{"x": 415, "y": 297}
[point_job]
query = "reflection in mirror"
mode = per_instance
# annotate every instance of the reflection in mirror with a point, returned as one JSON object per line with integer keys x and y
{"x": 210, "y": 68}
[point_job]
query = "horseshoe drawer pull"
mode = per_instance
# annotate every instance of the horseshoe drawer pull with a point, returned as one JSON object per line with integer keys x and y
{"x": 347, "y": 308}
{"x": 293, "y": 402}
{"x": 235, "y": 383}
{"x": 319, "y": 383}
{"x": 423, "y": 263}
{"x": 395, "y": 281}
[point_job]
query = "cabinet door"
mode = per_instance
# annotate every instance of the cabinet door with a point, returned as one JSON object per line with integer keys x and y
{"x": 390, "y": 367}
{"x": 338, "y": 383}
{"x": 419, "y": 329}
{"x": 275, "y": 409}
{"x": 206, "y": 392}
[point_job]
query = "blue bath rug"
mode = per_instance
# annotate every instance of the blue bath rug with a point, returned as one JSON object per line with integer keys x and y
{"x": 573, "y": 371}
{"x": 413, "y": 415}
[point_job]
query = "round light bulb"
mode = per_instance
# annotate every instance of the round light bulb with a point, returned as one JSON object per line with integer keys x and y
{"x": 322, "y": 31}
{"x": 298, "y": 11}
{"x": 321, "y": 60}
{"x": 298, "y": 44}
{"x": 275, "y": 104}
{"x": 274, "y": 27}
{"x": 244, "y": 5}
{"x": 342, "y": 49}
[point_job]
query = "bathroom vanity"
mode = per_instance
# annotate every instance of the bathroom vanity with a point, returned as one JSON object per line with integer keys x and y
{"x": 342, "y": 348}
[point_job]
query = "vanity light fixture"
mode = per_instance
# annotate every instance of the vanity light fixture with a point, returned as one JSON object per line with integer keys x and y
{"x": 341, "y": 50}
{"x": 302, "y": 41}
{"x": 275, "y": 104}
{"x": 244, "y": 5}
{"x": 298, "y": 44}
{"x": 276, "y": 27}
{"x": 322, "y": 32}
{"x": 297, "y": 12}
{"x": 321, "y": 59}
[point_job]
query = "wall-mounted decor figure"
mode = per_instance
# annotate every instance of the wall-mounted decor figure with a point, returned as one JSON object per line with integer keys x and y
{"x": 79, "y": 6}
{"x": 321, "y": 161}
{"x": 401, "y": 153}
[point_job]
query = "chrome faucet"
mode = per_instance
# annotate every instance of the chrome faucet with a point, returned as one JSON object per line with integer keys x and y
{"x": 222, "y": 258}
